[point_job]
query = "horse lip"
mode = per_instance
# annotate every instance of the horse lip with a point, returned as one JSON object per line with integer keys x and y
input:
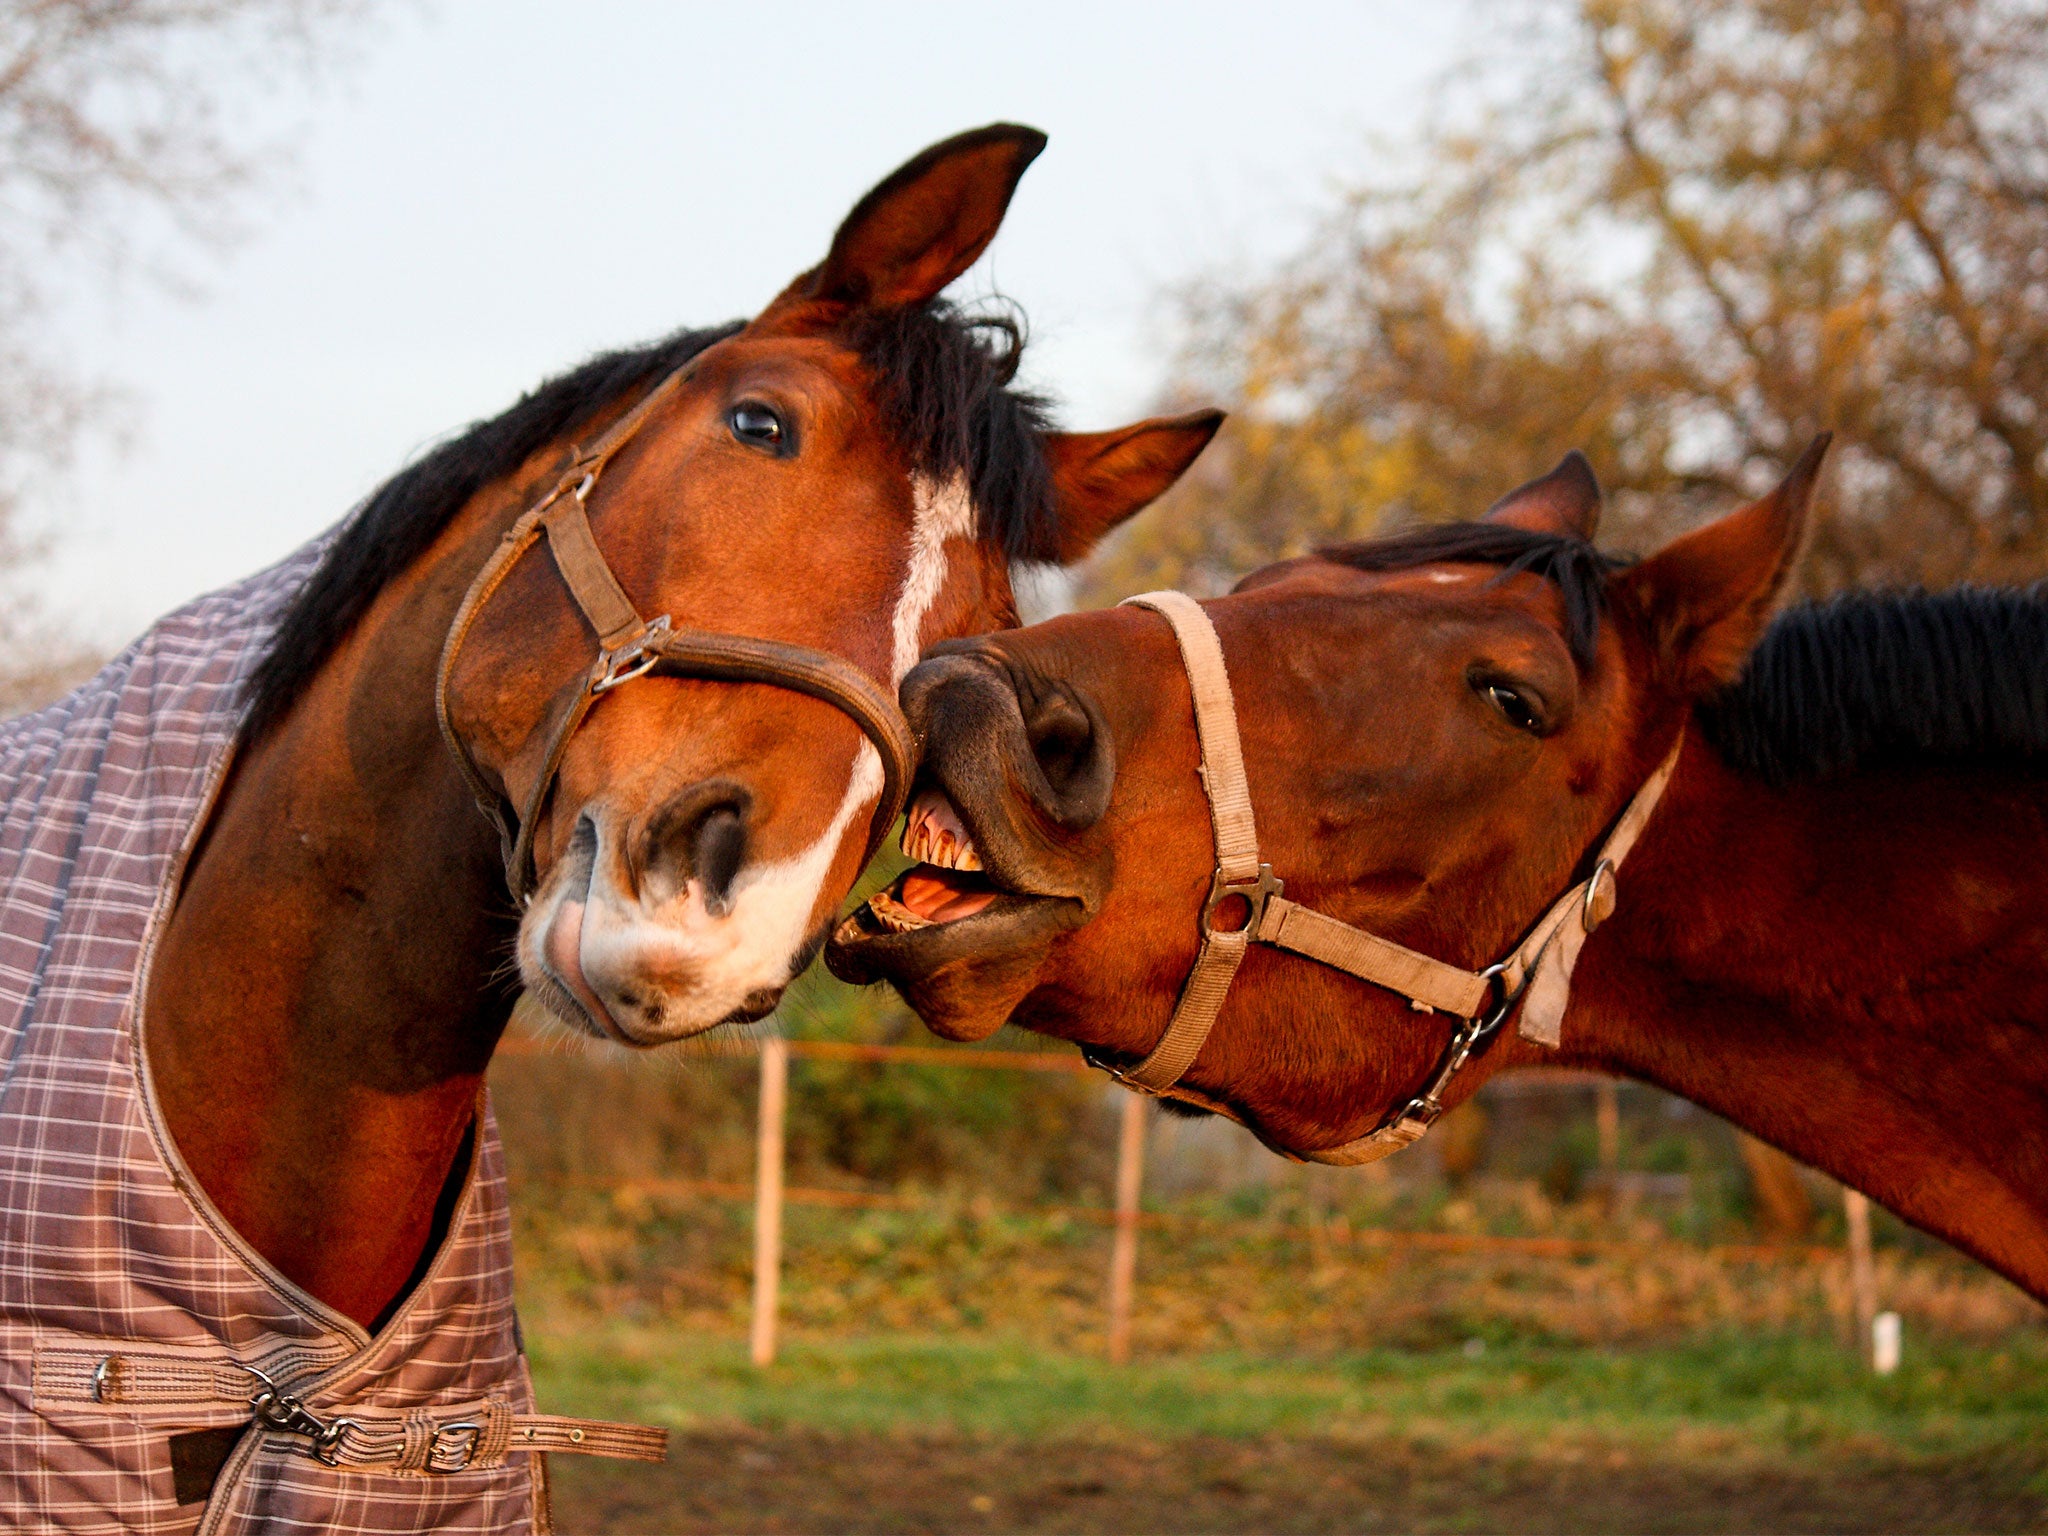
{"x": 1009, "y": 926}
{"x": 561, "y": 957}
{"x": 1009, "y": 862}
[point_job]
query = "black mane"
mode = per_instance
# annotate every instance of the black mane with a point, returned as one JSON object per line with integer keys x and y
{"x": 1876, "y": 679}
{"x": 943, "y": 379}
{"x": 1579, "y": 570}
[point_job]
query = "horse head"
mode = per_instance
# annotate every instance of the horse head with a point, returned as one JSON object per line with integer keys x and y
{"x": 1438, "y": 729}
{"x": 850, "y": 474}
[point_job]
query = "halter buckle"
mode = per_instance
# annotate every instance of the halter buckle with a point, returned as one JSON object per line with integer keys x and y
{"x": 636, "y": 658}
{"x": 1256, "y": 892}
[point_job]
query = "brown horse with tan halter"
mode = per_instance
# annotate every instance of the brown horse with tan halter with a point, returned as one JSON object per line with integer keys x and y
{"x": 1831, "y": 925}
{"x": 679, "y": 714}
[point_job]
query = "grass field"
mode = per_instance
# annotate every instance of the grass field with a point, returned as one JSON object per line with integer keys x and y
{"x": 1317, "y": 1350}
{"x": 1733, "y": 1433}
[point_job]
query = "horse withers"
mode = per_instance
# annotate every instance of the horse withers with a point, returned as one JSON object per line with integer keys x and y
{"x": 1792, "y": 871}
{"x": 259, "y": 941}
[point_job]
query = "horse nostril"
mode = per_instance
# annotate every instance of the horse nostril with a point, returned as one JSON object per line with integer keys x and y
{"x": 1071, "y": 751}
{"x": 721, "y": 848}
{"x": 1062, "y": 738}
{"x": 700, "y": 835}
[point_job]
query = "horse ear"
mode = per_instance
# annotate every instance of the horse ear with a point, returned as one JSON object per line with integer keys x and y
{"x": 924, "y": 225}
{"x": 1101, "y": 478}
{"x": 1567, "y": 501}
{"x": 1707, "y": 596}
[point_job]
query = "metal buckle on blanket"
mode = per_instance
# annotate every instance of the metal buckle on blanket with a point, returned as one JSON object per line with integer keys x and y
{"x": 464, "y": 1449}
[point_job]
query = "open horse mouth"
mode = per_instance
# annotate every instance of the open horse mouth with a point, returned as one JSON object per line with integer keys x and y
{"x": 963, "y": 933}
{"x": 947, "y": 908}
{"x": 948, "y": 882}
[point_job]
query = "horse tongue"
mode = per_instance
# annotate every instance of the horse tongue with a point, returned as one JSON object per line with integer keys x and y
{"x": 938, "y": 899}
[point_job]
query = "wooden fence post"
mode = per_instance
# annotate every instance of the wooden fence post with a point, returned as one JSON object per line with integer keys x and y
{"x": 1607, "y": 1123}
{"x": 768, "y": 1196}
{"x": 1862, "y": 1267}
{"x": 1123, "y": 1252}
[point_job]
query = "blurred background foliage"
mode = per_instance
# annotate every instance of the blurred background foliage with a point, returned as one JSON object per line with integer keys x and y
{"x": 632, "y": 1177}
{"x": 1682, "y": 235}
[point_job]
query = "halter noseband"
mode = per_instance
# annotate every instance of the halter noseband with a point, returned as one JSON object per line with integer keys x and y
{"x": 1537, "y": 974}
{"x": 630, "y": 646}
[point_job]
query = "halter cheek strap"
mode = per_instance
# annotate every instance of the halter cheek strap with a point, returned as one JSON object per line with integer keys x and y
{"x": 1245, "y": 905}
{"x": 629, "y": 647}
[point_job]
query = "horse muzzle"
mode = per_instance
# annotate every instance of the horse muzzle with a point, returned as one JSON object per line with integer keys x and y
{"x": 1016, "y": 768}
{"x": 655, "y": 933}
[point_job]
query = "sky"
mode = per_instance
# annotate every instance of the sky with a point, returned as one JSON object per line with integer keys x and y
{"x": 494, "y": 189}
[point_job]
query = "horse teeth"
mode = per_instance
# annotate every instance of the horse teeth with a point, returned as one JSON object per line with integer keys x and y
{"x": 894, "y": 916}
{"x": 932, "y": 834}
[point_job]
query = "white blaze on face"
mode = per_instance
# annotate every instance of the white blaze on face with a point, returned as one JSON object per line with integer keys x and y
{"x": 944, "y": 513}
{"x": 750, "y": 949}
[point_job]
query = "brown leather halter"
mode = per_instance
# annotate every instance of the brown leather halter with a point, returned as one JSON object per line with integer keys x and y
{"x": 629, "y": 646}
{"x": 1536, "y": 975}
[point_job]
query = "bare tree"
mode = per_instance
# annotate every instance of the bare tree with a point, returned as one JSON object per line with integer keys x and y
{"x": 119, "y": 148}
{"x": 1684, "y": 235}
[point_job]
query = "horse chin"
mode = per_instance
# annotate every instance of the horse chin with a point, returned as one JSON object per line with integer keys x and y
{"x": 962, "y": 977}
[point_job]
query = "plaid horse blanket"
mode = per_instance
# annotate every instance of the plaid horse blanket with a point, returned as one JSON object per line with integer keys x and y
{"x": 133, "y": 1320}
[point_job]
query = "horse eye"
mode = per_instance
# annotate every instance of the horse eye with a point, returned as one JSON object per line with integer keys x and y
{"x": 753, "y": 422}
{"x": 1513, "y": 707}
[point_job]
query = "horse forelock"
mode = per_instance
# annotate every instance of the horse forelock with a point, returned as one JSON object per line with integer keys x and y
{"x": 946, "y": 379}
{"x": 1576, "y": 567}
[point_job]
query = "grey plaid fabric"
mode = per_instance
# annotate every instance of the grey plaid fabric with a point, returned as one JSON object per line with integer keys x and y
{"x": 104, "y": 1242}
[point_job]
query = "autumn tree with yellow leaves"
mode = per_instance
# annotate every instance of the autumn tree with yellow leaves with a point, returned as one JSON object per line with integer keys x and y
{"x": 1683, "y": 236}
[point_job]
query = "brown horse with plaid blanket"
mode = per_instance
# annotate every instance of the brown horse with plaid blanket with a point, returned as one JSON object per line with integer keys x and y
{"x": 255, "y": 942}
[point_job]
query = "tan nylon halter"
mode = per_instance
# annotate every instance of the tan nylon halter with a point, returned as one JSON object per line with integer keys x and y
{"x": 1537, "y": 974}
{"x": 630, "y": 646}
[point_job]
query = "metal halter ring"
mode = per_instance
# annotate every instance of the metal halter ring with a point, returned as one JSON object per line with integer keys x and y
{"x": 636, "y": 658}
{"x": 1256, "y": 893}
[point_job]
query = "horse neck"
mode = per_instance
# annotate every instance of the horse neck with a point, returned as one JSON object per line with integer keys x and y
{"x": 1852, "y": 971}
{"x": 328, "y": 991}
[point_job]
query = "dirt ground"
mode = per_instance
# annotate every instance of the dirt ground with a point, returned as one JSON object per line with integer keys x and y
{"x": 807, "y": 1483}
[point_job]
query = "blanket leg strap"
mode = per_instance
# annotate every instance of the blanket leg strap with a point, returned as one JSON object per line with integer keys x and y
{"x": 420, "y": 1442}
